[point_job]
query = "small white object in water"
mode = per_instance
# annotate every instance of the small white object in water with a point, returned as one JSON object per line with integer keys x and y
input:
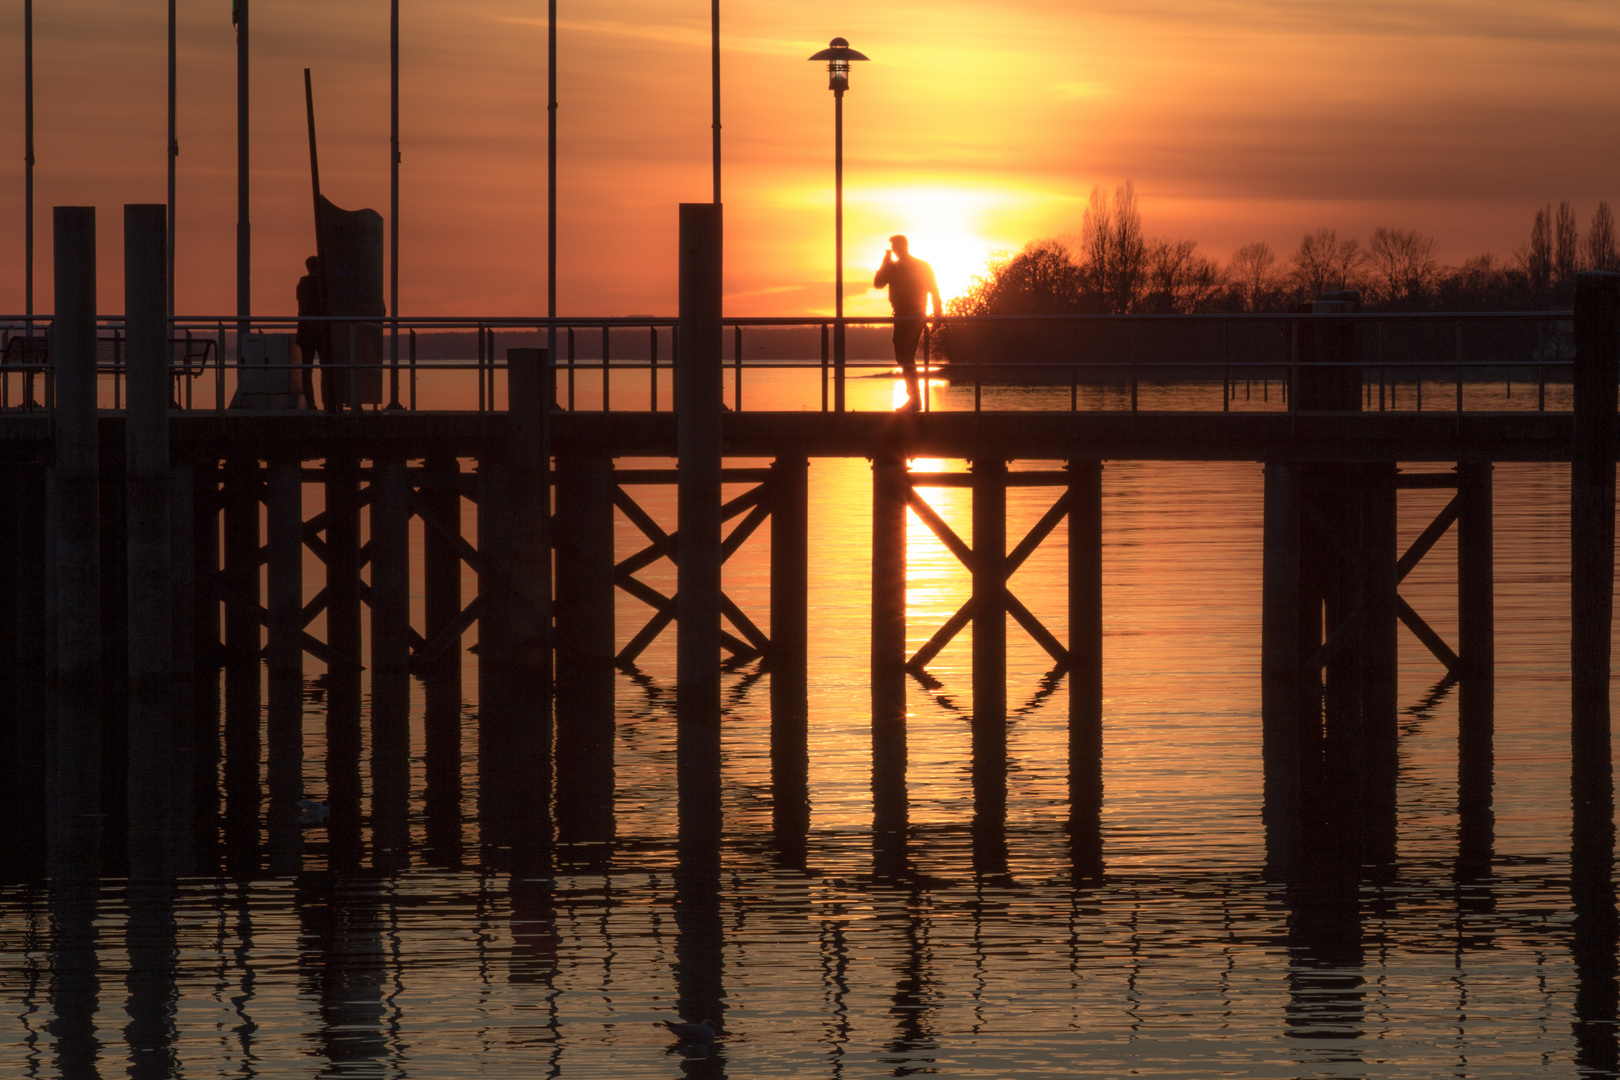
{"x": 702, "y": 1032}
{"x": 310, "y": 812}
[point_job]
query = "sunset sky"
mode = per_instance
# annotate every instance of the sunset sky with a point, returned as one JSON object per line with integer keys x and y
{"x": 975, "y": 128}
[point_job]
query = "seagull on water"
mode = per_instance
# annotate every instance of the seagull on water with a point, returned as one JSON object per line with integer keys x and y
{"x": 310, "y": 812}
{"x": 701, "y": 1033}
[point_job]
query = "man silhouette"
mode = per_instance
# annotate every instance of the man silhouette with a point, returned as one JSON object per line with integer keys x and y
{"x": 911, "y": 283}
{"x": 311, "y": 337}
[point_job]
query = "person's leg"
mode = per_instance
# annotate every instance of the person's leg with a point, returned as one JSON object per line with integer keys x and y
{"x": 306, "y": 373}
{"x": 329, "y": 397}
{"x": 907, "y": 334}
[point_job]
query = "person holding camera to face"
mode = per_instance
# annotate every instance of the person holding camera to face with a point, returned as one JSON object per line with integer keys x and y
{"x": 911, "y": 284}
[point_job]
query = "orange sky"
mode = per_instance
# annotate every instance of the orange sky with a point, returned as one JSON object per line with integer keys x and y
{"x": 976, "y": 127}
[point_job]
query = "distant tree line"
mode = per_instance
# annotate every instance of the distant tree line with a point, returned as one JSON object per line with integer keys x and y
{"x": 1114, "y": 268}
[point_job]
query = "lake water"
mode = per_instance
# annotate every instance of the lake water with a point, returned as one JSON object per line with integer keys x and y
{"x": 1186, "y": 960}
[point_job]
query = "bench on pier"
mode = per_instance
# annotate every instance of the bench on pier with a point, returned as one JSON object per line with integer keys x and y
{"x": 189, "y": 357}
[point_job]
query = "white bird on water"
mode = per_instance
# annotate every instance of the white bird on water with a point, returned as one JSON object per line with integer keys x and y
{"x": 702, "y": 1033}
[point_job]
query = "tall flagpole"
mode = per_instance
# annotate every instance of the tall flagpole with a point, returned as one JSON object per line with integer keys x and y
{"x": 174, "y": 152}
{"x": 244, "y": 234}
{"x": 28, "y": 158}
{"x": 551, "y": 171}
{"x": 714, "y": 80}
{"x": 393, "y": 203}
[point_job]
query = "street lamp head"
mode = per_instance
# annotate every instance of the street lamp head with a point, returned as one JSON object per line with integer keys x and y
{"x": 838, "y": 55}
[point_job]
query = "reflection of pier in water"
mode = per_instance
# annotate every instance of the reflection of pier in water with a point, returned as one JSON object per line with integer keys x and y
{"x": 162, "y": 548}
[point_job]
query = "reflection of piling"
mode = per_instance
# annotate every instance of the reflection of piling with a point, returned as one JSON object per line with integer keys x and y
{"x": 242, "y": 686}
{"x": 889, "y": 812}
{"x": 1085, "y": 667}
{"x": 441, "y": 676}
{"x": 585, "y": 639}
{"x": 989, "y": 665}
{"x": 390, "y": 664}
{"x": 146, "y": 449}
{"x": 1597, "y": 324}
{"x": 75, "y": 796}
{"x": 698, "y": 439}
{"x": 789, "y": 657}
{"x": 284, "y": 654}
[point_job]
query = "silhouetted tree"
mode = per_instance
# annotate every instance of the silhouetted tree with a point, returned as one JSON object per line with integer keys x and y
{"x": 1403, "y": 267}
{"x": 1042, "y": 279}
{"x": 1536, "y": 259}
{"x": 1602, "y": 253}
{"x": 1179, "y": 279}
{"x": 1567, "y": 250}
{"x": 1326, "y": 263}
{"x": 1114, "y": 251}
{"x": 1254, "y": 278}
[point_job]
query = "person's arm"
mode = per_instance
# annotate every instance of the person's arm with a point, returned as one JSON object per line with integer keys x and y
{"x": 881, "y": 278}
{"x": 933, "y": 291}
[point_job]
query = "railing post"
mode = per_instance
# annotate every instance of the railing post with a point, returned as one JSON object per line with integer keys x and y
{"x": 838, "y": 366}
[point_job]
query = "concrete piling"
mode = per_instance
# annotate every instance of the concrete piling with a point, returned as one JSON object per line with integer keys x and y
{"x": 75, "y": 781}
{"x": 698, "y": 437}
{"x": 789, "y": 657}
{"x": 146, "y": 449}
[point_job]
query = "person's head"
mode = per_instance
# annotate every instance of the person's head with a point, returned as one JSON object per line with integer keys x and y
{"x": 899, "y": 245}
{"x": 313, "y": 263}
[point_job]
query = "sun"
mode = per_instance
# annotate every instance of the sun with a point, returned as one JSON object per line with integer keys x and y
{"x": 944, "y": 224}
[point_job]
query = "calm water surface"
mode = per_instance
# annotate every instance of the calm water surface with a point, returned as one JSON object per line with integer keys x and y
{"x": 1185, "y": 960}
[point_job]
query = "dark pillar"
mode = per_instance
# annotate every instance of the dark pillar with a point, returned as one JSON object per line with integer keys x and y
{"x": 183, "y": 652}
{"x": 698, "y": 401}
{"x": 1279, "y": 665}
{"x": 1597, "y": 324}
{"x": 1380, "y": 666}
{"x": 529, "y": 383}
{"x": 343, "y": 677}
{"x": 1085, "y": 667}
{"x": 441, "y": 678}
{"x": 114, "y": 708}
{"x": 242, "y": 686}
{"x": 789, "y": 659}
{"x": 495, "y": 692}
{"x": 889, "y": 807}
{"x": 990, "y": 666}
{"x": 284, "y": 654}
{"x": 1476, "y": 648}
{"x": 585, "y": 652}
{"x": 149, "y": 590}
{"x": 390, "y": 665}
{"x": 209, "y": 655}
{"x": 32, "y": 692}
{"x": 75, "y": 796}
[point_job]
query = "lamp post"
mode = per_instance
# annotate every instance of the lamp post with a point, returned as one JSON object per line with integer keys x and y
{"x": 838, "y": 55}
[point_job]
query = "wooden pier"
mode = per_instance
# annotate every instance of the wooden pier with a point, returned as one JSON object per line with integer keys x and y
{"x": 152, "y": 548}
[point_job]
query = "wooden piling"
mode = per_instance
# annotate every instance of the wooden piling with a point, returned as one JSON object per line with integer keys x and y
{"x": 1476, "y": 638}
{"x": 343, "y": 677}
{"x": 31, "y": 692}
{"x": 1597, "y": 349}
{"x": 390, "y": 664}
{"x": 989, "y": 664}
{"x": 146, "y": 449}
{"x": 1280, "y": 694}
{"x": 529, "y": 395}
{"x": 495, "y": 691}
{"x": 441, "y": 676}
{"x": 698, "y": 437}
{"x": 183, "y": 666}
{"x": 789, "y": 657}
{"x": 1380, "y": 665}
{"x": 284, "y": 654}
{"x": 890, "y": 487}
{"x": 1085, "y": 666}
{"x": 75, "y": 782}
{"x": 243, "y": 750}
{"x": 208, "y": 655}
{"x": 585, "y": 650}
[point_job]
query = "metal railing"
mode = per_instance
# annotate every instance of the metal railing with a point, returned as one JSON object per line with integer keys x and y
{"x": 1100, "y": 363}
